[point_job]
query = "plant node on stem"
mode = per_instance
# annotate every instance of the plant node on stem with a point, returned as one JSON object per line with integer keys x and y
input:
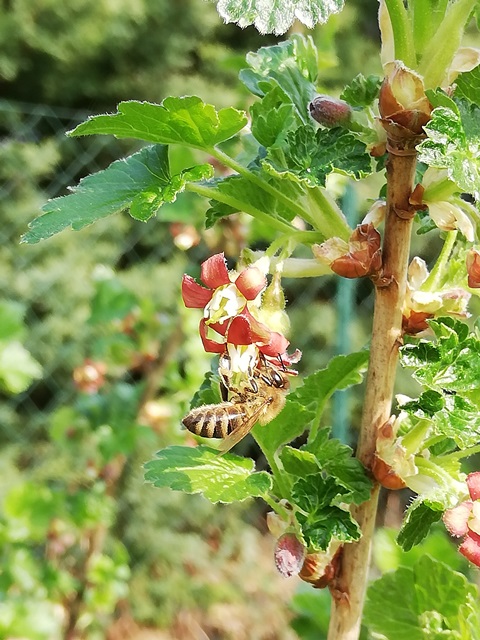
{"x": 386, "y": 339}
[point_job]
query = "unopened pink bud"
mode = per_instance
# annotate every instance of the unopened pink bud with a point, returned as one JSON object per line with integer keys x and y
{"x": 473, "y": 268}
{"x": 330, "y": 112}
{"x": 470, "y": 548}
{"x": 456, "y": 519}
{"x": 289, "y": 555}
{"x": 473, "y": 484}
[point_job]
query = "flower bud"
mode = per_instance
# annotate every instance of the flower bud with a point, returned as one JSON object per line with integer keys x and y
{"x": 330, "y": 112}
{"x": 289, "y": 555}
{"x": 319, "y": 569}
{"x": 360, "y": 257}
{"x": 473, "y": 268}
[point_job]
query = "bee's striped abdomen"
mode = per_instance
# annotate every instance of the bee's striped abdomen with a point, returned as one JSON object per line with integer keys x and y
{"x": 214, "y": 420}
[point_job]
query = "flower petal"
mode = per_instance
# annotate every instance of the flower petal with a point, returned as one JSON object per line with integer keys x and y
{"x": 210, "y": 345}
{"x": 277, "y": 345}
{"x": 251, "y": 282}
{"x": 194, "y": 295}
{"x": 244, "y": 329}
{"x": 214, "y": 272}
{"x": 470, "y": 548}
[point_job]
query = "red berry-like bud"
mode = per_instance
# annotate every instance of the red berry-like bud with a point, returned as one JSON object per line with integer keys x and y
{"x": 330, "y": 112}
{"x": 289, "y": 555}
{"x": 473, "y": 268}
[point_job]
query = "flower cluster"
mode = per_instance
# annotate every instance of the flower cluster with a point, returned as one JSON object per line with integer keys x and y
{"x": 232, "y": 305}
{"x": 464, "y": 520}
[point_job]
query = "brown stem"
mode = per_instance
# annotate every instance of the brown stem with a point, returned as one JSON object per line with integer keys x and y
{"x": 386, "y": 339}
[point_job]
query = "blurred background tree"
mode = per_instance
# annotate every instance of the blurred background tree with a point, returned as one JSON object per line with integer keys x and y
{"x": 110, "y": 360}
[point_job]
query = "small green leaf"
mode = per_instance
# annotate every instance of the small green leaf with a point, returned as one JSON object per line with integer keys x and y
{"x": 289, "y": 68}
{"x": 341, "y": 372}
{"x": 361, "y": 92}
{"x": 319, "y": 518}
{"x": 452, "y": 144}
{"x": 337, "y": 461}
{"x": 186, "y": 120}
{"x": 421, "y": 602}
{"x": 17, "y": 367}
{"x": 419, "y": 517}
{"x": 209, "y": 391}
{"x": 272, "y": 117}
{"x": 467, "y": 85}
{"x": 291, "y": 422}
{"x": 141, "y": 182}
{"x": 227, "y": 478}
{"x": 277, "y": 16}
{"x": 298, "y": 462}
{"x": 311, "y": 155}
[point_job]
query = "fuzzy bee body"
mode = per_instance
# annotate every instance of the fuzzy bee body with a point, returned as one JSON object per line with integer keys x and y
{"x": 215, "y": 420}
{"x": 260, "y": 401}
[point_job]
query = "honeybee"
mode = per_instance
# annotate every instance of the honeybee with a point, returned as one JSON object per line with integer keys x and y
{"x": 260, "y": 400}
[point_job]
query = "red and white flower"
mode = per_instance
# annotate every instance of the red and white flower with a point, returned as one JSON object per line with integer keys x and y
{"x": 230, "y": 303}
{"x": 464, "y": 520}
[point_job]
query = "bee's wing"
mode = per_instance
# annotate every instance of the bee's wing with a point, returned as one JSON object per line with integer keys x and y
{"x": 241, "y": 431}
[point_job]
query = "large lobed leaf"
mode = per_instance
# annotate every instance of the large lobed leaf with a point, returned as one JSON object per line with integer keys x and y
{"x": 311, "y": 155}
{"x": 141, "y": 182}
{"x": 187, "y": 120}
{"x": 429, "y": 600}
{"x": 277, "y": 16}
{"x": 287, "y": 70}
{"x": 227, "y": 478}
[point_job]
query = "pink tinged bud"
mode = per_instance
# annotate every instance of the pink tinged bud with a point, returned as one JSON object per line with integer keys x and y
{"x": 456, "y": 519}
{"x": 403, "y": 105}
{"x": 330, "y": 112}
{"x": 194, "y": 296}
{"x": 473, "y": 268}
{"x": 473, "y": 484}
{"x": 320, "y": 569}
{"x": 289, "y": 555}
{"x": 470, "y": 548}
{"x": 361, "y": 257}
{"x": 386, "y": 475}
{"x": 251, "y": 282}
{"x": 214, "y": 272}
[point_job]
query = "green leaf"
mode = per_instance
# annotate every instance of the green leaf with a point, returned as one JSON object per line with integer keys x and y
{"x": 419, "y": 517}
{"x": 361, "y": 92}
{"x": 277, "y": 16}
{"x": 452, "y": 144}
{"x": 467, "y": 85}
{"x": 319, "y": 518}
{"x": 337, "y": 461}
{"x": 272, "y": 117}
{"x": 209, "y": 391}
{"x": 452, "y": 362}
{"x": 17, "y": 367}
{"x": 288, "y": 425}
{"x": 311, "y": 155}
{"x": 227, "y": 478}
{"x": 341, "y": 372}
{"x": 188, "y": 121}
{"x": 421, "y": 602}
{"x": 247, "y": 194}
{"x": 289, "y": 68}
{"x": 141, "y": 182}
